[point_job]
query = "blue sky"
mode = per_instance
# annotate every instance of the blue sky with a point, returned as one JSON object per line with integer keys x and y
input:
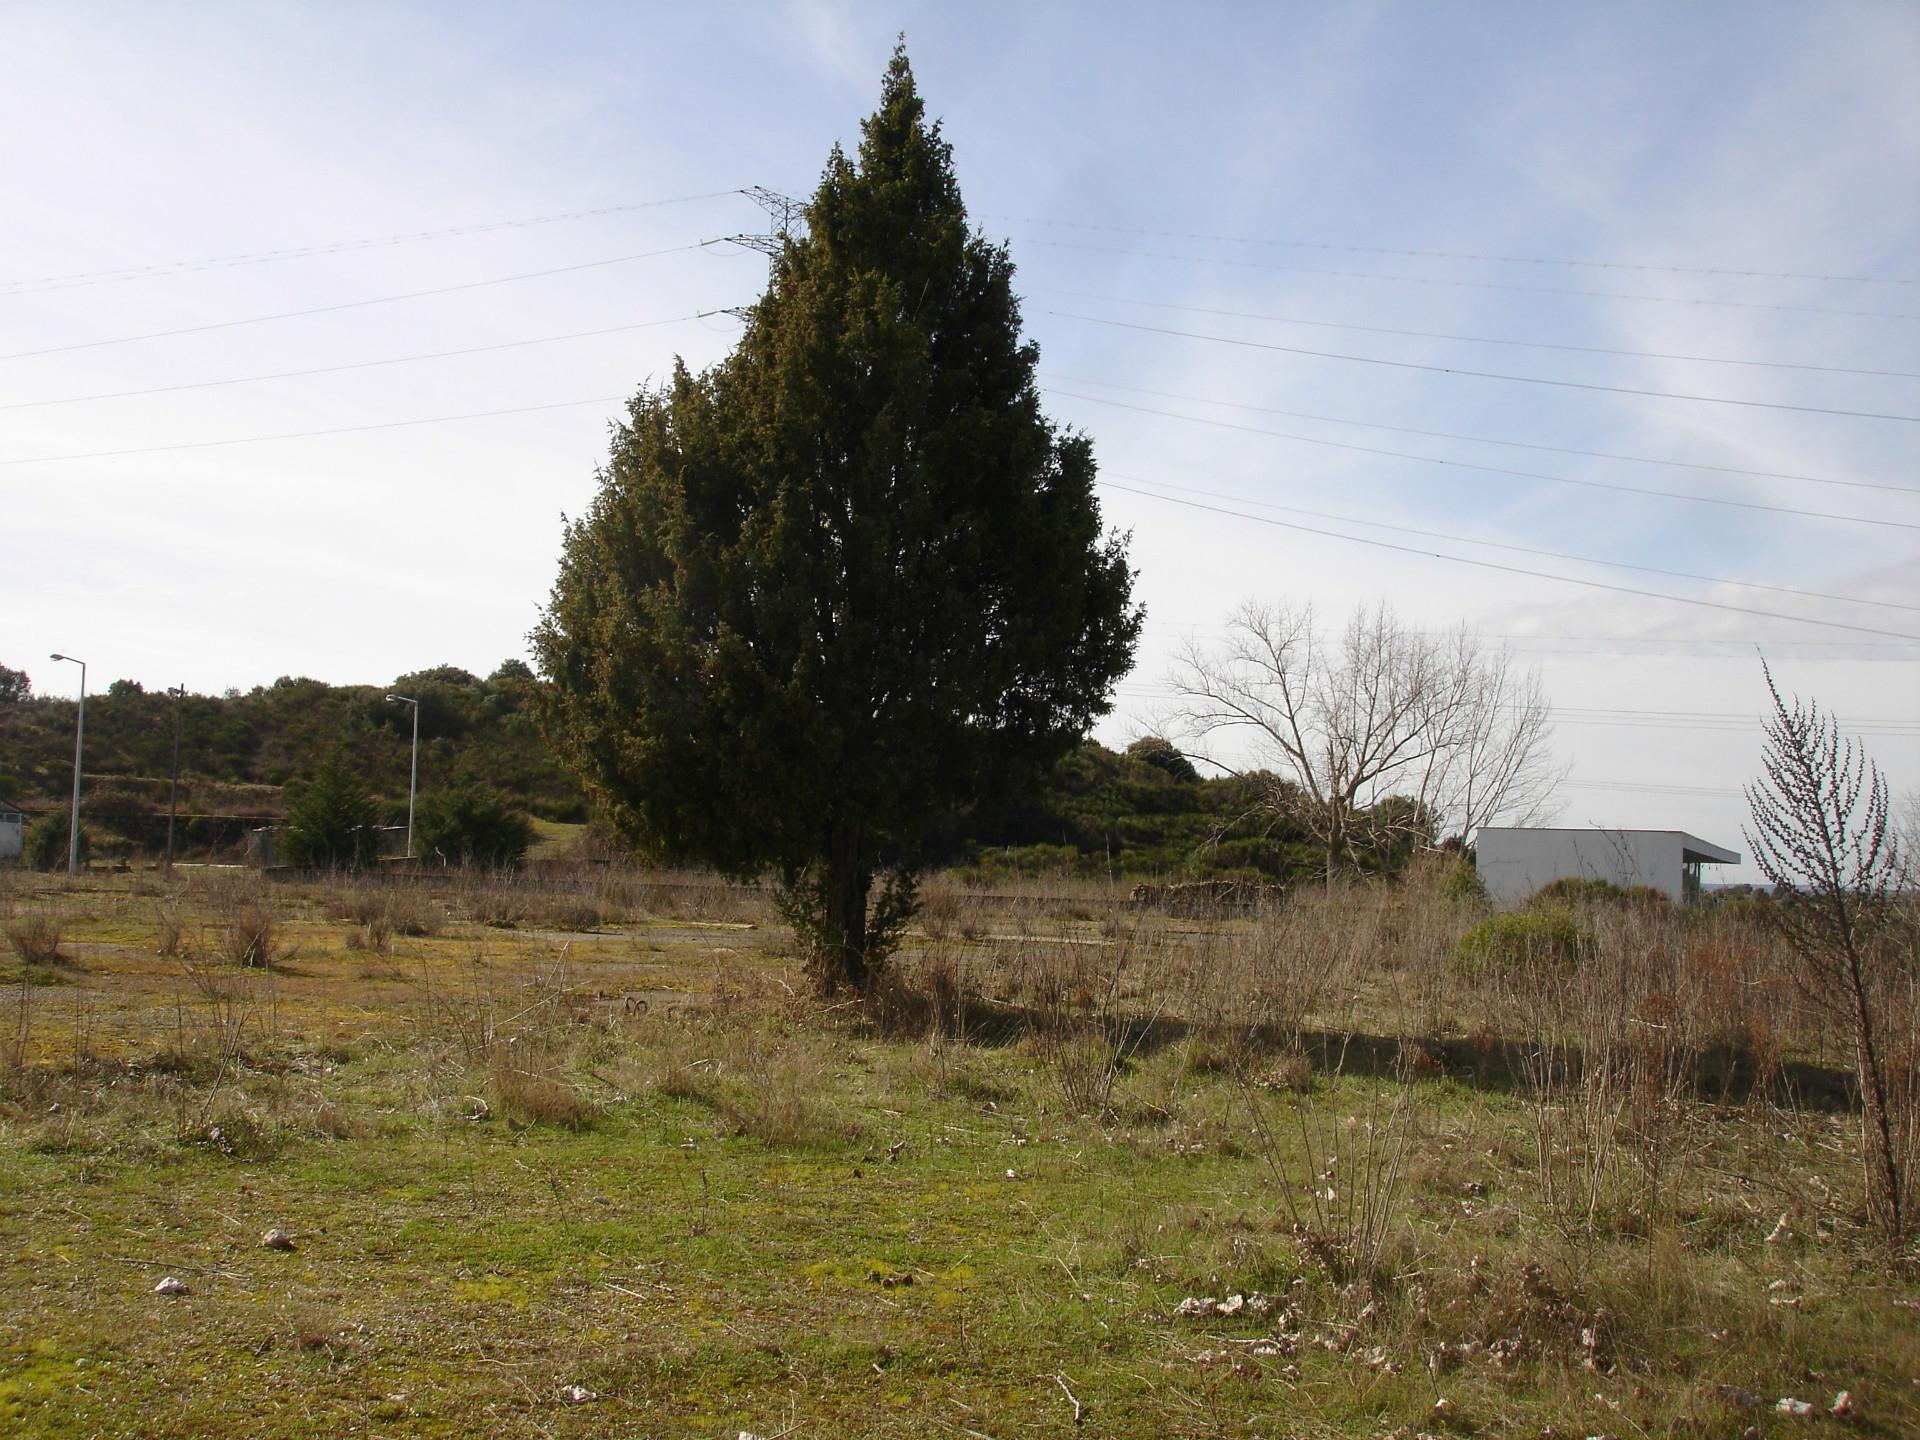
{"x": 1148, "y": 165}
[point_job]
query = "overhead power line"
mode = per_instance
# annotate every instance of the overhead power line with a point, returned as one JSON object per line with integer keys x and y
{"x": 355, "y": 304}
{"x": 1490, "y": 440}
{"x": 1702, "y": 727}
{"x": 1200, "y": 420}
{"x": 1631, "y": 786}
{"x": 1871, "y": 652}
{"x": 1477, "y": 284}
{"x": 1526, "y": 549}
{"x": 334, "y": 247}
{"x": 359, "y": 364}
{"x": 1485, "y": 339}
{"x": 1510, "y": 569}
{"x": 313, "y": 434}
{"x": 1669, "y": 722}
{"x": 1744, "y": 642}
{"x": 1740, "y": 648}
{"x": 1723, "y": 271}
{"x": 1490, "y": 374}
{"x": 1492, "y": 469}
{"x": 1756, "y": 715}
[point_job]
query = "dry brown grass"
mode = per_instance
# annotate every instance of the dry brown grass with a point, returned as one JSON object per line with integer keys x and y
{"x": 35, "y": 938}
{"x": 780, "y": 1095}
{"x": 245, "y": 928}
{"x": 528, "y": 1093}
{"x": 1520, "y": 1189}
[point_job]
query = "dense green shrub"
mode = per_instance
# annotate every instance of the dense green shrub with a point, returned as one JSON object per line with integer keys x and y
{"x": 1579, "y": 890}
{"x": 1552, "y": 936}
{"x": 46, "y": 842}
{"x": 331, "y": 824}
{"x": 1029, "y": 860}
{"x": 471, "y": 825}
{"x": 1460, "y": 883}
{"x": 1163, "y": 754}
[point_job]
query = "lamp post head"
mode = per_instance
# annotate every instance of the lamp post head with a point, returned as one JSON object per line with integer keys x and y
{"x": 56, "y": 657}
{"x": 404, "y": 699}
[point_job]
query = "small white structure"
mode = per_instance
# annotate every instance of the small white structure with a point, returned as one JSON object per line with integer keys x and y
{"x": 13, "y": 831}
{"x": 1513, "y": 862}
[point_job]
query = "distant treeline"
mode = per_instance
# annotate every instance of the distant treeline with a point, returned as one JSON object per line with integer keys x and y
{"x": 239, "y": 752}
{"x": 1140, "y": 812}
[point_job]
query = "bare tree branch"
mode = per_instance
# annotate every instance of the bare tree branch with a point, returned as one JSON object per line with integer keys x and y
{"x": 1459, "y": 732}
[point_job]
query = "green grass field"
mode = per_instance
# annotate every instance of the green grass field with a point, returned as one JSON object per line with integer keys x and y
{"x": 605, "y": 1166}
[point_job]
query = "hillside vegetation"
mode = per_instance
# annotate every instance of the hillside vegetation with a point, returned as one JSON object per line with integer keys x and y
{"x": 239, "y": 752}
{"x": 1099, "y": 813}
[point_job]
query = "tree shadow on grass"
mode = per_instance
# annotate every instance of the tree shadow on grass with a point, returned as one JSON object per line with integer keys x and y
{"x": 1719, "y": 1074}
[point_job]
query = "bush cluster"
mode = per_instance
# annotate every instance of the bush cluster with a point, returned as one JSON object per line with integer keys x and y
{"x": 471, "y": 825}
{"x": 1574, "y": 891}
{"x": 1551, "y": 935}
{"x": 45, "y": 844}
{"x": 331, "y": 824}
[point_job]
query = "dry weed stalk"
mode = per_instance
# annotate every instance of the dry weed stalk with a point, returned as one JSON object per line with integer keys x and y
{"x": 170, "y": 933}
{"x": 934, "y": 993}
{"x": 1608, "y": 1052}
{"x": 1344, "y": 1187}
{"x": 1261, "y": 981}
{"x": 20, "y": 1034}
{"x": 1822, "y": 835}
{"x": 230, "y": 1002}
{"x": 1076, "y": 1021}
{"x": 1576, "y": 1128}
{"x": 245, "y": 929}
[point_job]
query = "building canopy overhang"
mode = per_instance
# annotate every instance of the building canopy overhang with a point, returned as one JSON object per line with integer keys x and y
{"x": 1695, "y": 851}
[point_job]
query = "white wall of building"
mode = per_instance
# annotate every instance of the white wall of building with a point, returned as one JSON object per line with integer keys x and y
{"x": 12, "y": 835}
{"x": 1513, "y": 863}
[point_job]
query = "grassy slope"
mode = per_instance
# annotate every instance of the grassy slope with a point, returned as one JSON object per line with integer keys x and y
{"x": 733, "y": 1243}
{"x": 554, "y": 839}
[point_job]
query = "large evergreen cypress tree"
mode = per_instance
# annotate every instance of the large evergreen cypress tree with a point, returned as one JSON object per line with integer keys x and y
{"x": 848, "y": 578}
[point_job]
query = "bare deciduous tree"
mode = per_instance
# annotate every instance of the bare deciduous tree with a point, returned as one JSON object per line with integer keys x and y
{"x": 1821, "y": 834}
{"x": 1456, "y": 728}
{"x": 1493, "y": 759}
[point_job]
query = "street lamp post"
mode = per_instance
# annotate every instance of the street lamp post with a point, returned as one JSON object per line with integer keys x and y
{"x": 79, "y": 737}
{"x": 179, "y": 693}
{"x": 413, "y": 775}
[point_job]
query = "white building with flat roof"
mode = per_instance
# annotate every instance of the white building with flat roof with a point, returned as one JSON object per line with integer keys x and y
{"x": 13, "y": 831}
{"x": 1514, "y": 862}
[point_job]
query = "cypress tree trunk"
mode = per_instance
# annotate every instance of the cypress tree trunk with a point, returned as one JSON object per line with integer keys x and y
{"x": 845, "y": 886}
